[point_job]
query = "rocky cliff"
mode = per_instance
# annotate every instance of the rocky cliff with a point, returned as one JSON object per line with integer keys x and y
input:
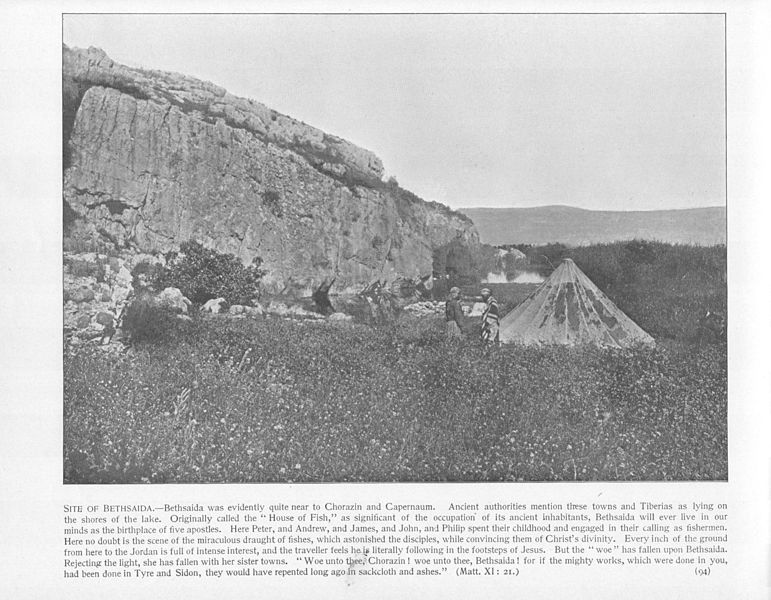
{"x": 153, "y": 159}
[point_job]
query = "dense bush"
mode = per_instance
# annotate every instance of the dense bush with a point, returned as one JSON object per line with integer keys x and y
{"x": 272, "y": 200}
{"x": 146, "y": 273}
{"x": 201, "y": 274}
{"x": 87, "y": 268}
{"x": 145, "y": 321}
{"x": 665, "y": 288}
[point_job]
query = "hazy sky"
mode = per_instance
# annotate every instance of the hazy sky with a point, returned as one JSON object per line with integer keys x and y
{"x": 614, "y": 112}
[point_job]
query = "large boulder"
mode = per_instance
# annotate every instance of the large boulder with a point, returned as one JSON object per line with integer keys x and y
{"x": 105, "y": 318}
{"x": 172, "y": 298}
{"x": 123, "y": 276}
{"x": 213, "y": 306}
{"x": 82, "y": 294}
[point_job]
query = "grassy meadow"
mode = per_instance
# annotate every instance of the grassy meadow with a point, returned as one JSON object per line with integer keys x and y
{"x": 275, "y": 400}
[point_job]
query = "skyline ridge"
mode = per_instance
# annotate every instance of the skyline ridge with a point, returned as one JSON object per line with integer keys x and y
{"x": 579, "y": 226}
{"x": 580, "y": 208}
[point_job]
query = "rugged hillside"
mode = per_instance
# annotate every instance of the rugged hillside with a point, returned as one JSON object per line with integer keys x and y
{"x": 575, "y": 226}
{"x": 153, "y": 159}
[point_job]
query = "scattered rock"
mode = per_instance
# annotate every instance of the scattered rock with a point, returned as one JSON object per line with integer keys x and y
{"x": 120, "y": 295}
{"x": 254, "y": 311}
{"x": 426, "y": 308}
{"x": 280, "y": 309}
{"x": 92, "y": 332}
{"x": 340, "y": 317}
{"x": 114, "y": 347}
{"x": 83, "y": 321}
{"x": 236, "y": 309}
{"x": 82, "y": 294}
{"x": 123, "y": 277}
{"x": 298, "y": 311}
{"x": 172, "y": 297}
{"x": 213, "y": 306}
{"x": 105, "y": 318}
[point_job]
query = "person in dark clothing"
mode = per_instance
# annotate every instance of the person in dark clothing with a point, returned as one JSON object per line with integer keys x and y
{"x": 453, "y": 315}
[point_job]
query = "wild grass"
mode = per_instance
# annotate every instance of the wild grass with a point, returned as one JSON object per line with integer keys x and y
{"x": 274, "y": 400}
{"x": 244, "y": 400}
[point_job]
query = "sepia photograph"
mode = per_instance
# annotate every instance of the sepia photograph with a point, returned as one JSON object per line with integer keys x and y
{"x": 305, "y": 248}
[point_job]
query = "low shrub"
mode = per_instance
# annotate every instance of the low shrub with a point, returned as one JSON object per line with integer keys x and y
{"x": 146, "y": 273}
{"x": 145, "y": 321}
{"x": 272, "y": 200}
{"x": 82, "y": 268}
{"x": 86, "y": 268}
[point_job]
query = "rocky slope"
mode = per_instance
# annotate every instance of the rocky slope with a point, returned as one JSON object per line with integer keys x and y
{"x": 153, "y": 159}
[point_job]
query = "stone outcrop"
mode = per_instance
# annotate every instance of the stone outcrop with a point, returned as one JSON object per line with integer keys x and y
{"x": 424, "y": 309}
{"x": 153, "y": 159}
{"x": 173, "y": 299}
{"x": 96, "y": 290}
{"x": 213, "y": 306}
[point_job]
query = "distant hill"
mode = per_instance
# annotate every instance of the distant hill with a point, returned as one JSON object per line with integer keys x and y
{"x": 577, "y": 226}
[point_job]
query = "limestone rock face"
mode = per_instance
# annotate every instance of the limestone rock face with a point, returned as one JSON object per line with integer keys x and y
{"x": 96, "y": 290}
{"x": 153, "y": 159}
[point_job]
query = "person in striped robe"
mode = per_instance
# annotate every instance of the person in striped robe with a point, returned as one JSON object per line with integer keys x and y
{"x": 490, "y": 319}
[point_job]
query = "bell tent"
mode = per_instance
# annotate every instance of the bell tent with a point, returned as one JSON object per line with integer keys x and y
{"x": 569, "y": 309}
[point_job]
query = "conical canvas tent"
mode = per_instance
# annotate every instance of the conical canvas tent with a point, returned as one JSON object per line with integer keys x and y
{"x": 569, "y": 309}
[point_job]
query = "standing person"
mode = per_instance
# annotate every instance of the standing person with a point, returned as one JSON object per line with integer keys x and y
{"x": 490, "y": 318}
{"x": 453, "y": 314}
